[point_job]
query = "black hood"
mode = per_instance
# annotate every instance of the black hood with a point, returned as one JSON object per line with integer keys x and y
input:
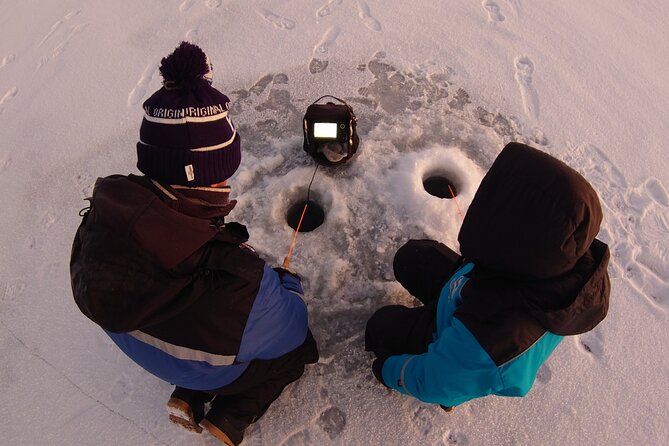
{"x": 570, "y": 304}
{"x": 530, "y": 232}
{"x": 576, "y": 302}
{"x": 533, "y": 217}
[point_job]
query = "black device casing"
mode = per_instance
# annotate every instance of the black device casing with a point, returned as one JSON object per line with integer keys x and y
{"x": 341, "y": 114}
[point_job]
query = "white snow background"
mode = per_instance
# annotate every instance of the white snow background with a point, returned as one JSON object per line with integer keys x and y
{"x": 438, "y": 87}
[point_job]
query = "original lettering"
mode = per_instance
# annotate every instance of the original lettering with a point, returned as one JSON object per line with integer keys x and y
{"x": 194, "y": 112}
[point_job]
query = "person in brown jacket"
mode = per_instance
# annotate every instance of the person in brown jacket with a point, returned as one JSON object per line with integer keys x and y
{"x": 174, "y": 284}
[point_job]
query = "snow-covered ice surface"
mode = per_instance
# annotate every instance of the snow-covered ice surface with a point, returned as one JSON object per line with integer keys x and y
{"x": 438, "y": 87}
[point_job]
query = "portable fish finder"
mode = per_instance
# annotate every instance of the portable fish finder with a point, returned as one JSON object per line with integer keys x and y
{"x": 331, "y": 138}
{"x": 330, "y": 134}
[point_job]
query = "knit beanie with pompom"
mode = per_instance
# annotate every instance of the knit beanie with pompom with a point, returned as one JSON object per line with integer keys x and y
{"x": 186, "y": 137}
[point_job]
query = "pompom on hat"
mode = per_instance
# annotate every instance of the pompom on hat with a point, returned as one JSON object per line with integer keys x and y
{"x": 186, "y": 137}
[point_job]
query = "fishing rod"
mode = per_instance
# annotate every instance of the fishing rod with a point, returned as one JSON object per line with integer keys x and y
{"x": 462, "y": 216}
{"x": 286, "y": 260}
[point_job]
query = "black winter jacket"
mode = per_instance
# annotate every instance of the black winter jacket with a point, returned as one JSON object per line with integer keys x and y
{"x": 177, "y": 289}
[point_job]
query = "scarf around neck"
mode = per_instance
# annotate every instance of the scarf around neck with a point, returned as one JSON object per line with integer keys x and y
{"x": 199, "y": 202}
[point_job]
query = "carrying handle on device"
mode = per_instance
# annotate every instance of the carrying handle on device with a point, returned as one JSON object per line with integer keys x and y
{"x": 340, "y": 100}
{"x": 330, "y": 96}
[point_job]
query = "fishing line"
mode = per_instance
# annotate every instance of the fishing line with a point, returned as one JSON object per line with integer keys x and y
{"x": 311, "y": 182}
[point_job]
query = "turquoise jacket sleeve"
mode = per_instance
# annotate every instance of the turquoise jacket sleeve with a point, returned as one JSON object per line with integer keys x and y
{"x": 455, "y": 369}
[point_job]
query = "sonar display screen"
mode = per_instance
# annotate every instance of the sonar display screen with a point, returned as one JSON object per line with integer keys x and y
{"x": 325, "y": 130}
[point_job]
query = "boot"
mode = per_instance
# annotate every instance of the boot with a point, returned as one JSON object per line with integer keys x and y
{"x": 185, "y": 408}
{"x": 220, "y": 434}
{"x": 227, "y": 429}
{"x": 181, "y": 414}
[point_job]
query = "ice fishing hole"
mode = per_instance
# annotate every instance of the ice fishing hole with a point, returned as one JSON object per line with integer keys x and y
{"x": 313, "y": 216}
{"x": 440, "y": 186}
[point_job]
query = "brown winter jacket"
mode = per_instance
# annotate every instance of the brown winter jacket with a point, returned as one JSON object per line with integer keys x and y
{"x": 177, "y": 289}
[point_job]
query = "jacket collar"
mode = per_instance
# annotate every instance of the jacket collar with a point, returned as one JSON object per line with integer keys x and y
{"x": 170, "y": 230}
{"x": 200, "y": 202}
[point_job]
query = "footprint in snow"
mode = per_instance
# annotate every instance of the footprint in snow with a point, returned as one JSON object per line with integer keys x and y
{"x": 57, "y": 51}
{"x": 524, "y": 73}
{"x": 47, "y": 220}
{"x": 85, "y": 183}
{"x": 56, "y": 26}
{"x": 494, "y": 11}
{"x": 13, "y": 290}
{"x": 8, "y": 96}
{"x": 657, "y": 291}
{"x": 591, "y": 343}
{"x": 460, "y": 100}
{"x": 318, "y": 65}
{"x": 261, "y": 84}
{"x": 421, "y": 419}
{"x": 7, "y": 60}
{"x": 278, "y": 97}
{"x": 276, "y": 20}
{"x": 53, "y": 29}
{"x": 332, "y": 420}
{"x": 632, "y": 271}
{"x": 598, "y": 168}
{"x": 139, "y": 90}
{"x": 655, "y": 190}
{"x": 328, "y": 8}
{"x": 452, "y": 438}
{"x": 5, "y": 162}
{"x": 327, "y": 41}
{"x": 280, "y": 79}
{"x": 642, "y": 260}
{"x": 641, "y": 210}
{"x": 186, "y": 5}
{"x": 122, "y": 389}
{"x": 544, "y": 374}
{"x": 193, "y": 35}
{"x": 366, "y": 16}
{"x": 277, "y": 100}
{"x": 654, "y": 256}
{"x": 319, "y": 62}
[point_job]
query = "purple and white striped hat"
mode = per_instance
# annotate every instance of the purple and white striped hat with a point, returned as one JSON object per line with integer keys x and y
{"x": 186, "y": 136}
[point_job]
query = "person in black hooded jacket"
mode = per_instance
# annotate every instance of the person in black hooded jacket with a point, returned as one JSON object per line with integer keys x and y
{"x": 530, "y": 272}
{"x": 173, "y": 284}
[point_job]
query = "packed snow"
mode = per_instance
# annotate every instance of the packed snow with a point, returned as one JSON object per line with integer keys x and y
{"x": 439, "y": 88}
